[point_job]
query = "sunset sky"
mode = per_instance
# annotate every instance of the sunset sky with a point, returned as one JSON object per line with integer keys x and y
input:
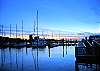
{"x": 62, "y": 15}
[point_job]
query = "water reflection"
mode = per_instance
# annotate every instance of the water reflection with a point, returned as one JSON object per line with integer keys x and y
{"x": 60, "y": 58}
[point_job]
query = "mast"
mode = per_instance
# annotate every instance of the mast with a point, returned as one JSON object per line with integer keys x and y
{"x": 34, "y": 27}
{"x": 37, "y": 39}
{"x": 16, "y": 30}
{"x": 22, "y": 29}
{"x": 37, "y": 22}
{"x": 10, "y": 30}
{"x": 2, "y": 30}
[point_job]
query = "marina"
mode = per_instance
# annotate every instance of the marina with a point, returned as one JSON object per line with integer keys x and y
{"x": 77, "y": 52}
{"x": 49, "y": 35}
{"x": 83, "y": 55}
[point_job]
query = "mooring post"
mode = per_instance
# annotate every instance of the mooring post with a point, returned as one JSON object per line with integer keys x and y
{"x": 66, "y": 49}
{"x": 63, "y": 51}
{"x": 63, "y": 42}
{"x": 49, "y": 51}
{"x": 26, "y": 41}
{"x": 26, "y": 45}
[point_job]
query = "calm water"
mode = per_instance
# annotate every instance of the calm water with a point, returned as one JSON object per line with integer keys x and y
{"x": 58, "y": 58}
{"x": 53, "y": 59}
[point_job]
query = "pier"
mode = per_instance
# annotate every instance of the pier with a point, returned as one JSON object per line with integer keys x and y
{"x": 18, "y": 43}
{"x": 88, "y": 52}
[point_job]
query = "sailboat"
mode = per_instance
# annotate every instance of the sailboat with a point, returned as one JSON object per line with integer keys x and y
{"x": 38, "y": 42}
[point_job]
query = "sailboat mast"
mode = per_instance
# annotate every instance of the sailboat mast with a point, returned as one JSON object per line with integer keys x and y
{"x": 37, "y": 39}
{"x": 34, "y": 27}
{"x": 22, "y": 29}
{"x": 37, "y": 23}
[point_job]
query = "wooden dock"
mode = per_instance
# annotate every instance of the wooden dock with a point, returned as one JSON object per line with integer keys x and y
{"x": 85, "y": 53}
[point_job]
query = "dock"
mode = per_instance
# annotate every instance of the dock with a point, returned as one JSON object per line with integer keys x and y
{"x": 87, "y": 52}
{"x": 6, "y": 42}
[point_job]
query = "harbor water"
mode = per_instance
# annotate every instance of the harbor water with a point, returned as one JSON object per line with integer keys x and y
{"x": 61, "y": 58}
{"x": 44, "y": 59}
